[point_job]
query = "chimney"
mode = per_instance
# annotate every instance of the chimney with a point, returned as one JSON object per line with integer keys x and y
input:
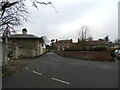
{"x": 56, "y": 40}
{"x": 24, "y": 31}
{"x": 71, "y": 40}
{"x": 78, "y": 40}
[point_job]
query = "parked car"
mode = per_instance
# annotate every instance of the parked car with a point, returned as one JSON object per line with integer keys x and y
{"x": 117, "y": 54}
{"x": 116, "y": 51}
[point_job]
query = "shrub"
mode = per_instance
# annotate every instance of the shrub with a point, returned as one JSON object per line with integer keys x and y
{"x": 99, "y": 48}
{"x": 73, "y": 48}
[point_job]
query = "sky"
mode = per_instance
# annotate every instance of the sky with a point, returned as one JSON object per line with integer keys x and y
{"x": 100, "y": 17}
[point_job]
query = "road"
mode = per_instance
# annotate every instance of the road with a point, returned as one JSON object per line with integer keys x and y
{"x": 53, "y": 71}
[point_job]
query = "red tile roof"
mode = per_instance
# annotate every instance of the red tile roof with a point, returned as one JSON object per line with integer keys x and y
{"x": 97, "y": 42}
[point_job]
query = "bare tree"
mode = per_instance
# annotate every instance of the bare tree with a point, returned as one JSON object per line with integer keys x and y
{"x": 89, "y": 38}
{"x": 117, "y": 41}
{"x": 106, "y": 38}
{"x": 13, "y": 12}
{"x": 83, "y": 34}
{"x": 52, "y": 42}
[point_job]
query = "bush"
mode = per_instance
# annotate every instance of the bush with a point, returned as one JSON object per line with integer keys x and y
{"x": 99, "y": 48}
{"x": 73, "y": 48}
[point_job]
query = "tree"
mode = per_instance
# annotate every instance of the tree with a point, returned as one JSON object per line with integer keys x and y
{"x": 83, "y": 34}
{"x": 106, "y": 38}
{"x": 13, "y": 12}
{"x": 90, "y": 38}
{"x": 52, "y": 43}
{"x": 117, "y": 41}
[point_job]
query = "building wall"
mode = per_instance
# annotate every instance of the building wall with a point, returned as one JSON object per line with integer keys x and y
{"x": 25, "y": 53}
{"x": 62, "y": 45}
{"x": 41, "y": 49}
{"x": 38, "y": 48}
{"x": 23, "y": 43}
{"x": 89, "y": 55}
{"x": 26, "y": 48}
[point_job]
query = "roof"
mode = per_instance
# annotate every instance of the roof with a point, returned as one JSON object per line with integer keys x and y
{"x": 24, "y": 36}
{"x": 97, "y": 42}
{"x": 64, "y": 41}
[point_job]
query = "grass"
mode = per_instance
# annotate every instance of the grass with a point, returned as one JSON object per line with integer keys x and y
{"x": 11, "y": 67}
{"x": 6, "y": 70}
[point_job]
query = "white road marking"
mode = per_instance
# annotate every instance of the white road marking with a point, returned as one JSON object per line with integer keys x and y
{"x": 37, "y": 73}
{"x": 60, "y": 81}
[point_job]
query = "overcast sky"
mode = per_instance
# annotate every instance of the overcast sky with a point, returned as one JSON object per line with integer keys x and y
{"x": 100, "y": 16}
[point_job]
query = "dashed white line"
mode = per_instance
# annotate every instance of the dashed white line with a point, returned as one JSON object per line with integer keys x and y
{"x": 60, "y": 81}
{"x": 37, "y": 73}
{"x": 52, "y": 78}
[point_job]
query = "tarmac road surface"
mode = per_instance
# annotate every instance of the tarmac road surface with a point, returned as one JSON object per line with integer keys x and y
{"x": 53, "y": 71}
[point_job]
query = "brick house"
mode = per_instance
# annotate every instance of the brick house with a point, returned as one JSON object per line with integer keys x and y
{"x": 97, "y": 43}
{"x": 62, "y": 44}
{"x": 69, "y": 45}
{"x": 25, "y": 45}
{"x": 94, "y": 43}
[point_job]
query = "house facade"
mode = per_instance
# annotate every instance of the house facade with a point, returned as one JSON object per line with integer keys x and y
{"x": 89, "y": 45}
{"x": 25, "y": 45}
{"x": 99, "y": 42}
{"x": 62, "y": 44}
{"x": 69, "y": 45}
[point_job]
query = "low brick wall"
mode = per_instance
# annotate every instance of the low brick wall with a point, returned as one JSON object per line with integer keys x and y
{"x": 89, "y": 55}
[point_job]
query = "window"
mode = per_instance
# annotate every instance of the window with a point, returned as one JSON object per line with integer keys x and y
{"x": 63, "y": 43}
{"x": 58, "y": 43}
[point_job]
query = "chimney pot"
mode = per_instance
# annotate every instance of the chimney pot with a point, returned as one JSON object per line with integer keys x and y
{"x": 24, "y": 31}
{"x": 56, "y": 40}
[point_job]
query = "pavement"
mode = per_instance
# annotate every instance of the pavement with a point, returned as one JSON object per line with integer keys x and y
{"x": 53, "y": 71}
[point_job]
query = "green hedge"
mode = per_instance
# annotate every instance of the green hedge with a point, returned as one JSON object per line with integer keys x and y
{"x": 90, "y": 48}
{"x": 99, "y": 48}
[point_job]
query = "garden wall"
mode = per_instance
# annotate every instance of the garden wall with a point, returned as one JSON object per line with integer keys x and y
{"x": 89, "y": 55}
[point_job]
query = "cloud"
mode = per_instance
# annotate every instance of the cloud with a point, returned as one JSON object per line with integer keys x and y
{"x": 100, "y": 16}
